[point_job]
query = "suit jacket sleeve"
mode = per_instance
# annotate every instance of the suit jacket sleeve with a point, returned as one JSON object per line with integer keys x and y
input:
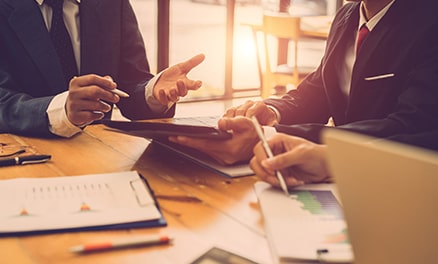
{"x": 30, "y": 74}
{"x": 406, "y": 104}
{"x": 24, "y": 93}
{"x": 133, "y": 69}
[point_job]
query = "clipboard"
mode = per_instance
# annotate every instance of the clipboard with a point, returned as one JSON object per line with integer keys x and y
{"x": 157, "y": 220}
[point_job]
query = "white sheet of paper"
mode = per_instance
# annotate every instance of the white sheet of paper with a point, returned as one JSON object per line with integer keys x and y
{"x": 29, "y": 204}
{"x": 310, "y": 219}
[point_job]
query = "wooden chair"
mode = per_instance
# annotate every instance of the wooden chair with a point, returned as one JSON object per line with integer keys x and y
{"x": 280, "y": 26}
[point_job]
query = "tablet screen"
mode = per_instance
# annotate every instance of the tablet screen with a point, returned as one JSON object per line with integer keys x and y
{"x": 159, "y": 129}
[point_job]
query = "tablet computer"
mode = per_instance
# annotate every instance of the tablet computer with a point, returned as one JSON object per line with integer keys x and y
{"x": 162, "y": 128}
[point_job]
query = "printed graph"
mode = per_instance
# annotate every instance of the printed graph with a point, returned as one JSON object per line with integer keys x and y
{"x": 320, "y": 210}
{"x": 318, "y": 202}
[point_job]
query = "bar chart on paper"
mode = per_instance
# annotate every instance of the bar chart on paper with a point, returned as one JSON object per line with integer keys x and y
{"x": 308, "y": 224}
{"x": 318, "y": 202}
{"x": 321, "y": 206}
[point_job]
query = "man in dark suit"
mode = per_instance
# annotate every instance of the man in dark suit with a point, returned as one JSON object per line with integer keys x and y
{"x": 108, "y": 50}
{"x": 387, "y": 88}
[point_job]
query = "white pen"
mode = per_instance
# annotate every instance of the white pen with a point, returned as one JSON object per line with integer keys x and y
{"x": 121, "y": 243}
{"x": 383, "y": 76}
{"x": 119, "y": 93}
{"x": 269, "y": 153}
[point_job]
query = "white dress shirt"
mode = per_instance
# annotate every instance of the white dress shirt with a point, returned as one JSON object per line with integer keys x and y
{"x": 59, "y": 123}
{"x": 350, "y": 52}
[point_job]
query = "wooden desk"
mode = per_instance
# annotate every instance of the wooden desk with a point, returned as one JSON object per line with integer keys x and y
{"x": 220, "y": 212}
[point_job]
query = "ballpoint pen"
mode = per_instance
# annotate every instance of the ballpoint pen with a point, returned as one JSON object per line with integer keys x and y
{"x": 119, "y": 93}
{"x": 269, "y": 153}
{"x": 121, "y": 243}
{"x": 23, "y": 160}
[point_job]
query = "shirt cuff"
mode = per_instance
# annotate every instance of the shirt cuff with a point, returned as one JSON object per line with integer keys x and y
{"x": 153, "y": 103}
{"x": 277, "y": 113}
{"x": 58, "y": 121}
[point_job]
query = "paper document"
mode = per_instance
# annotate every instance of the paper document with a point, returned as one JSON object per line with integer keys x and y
{"x": 306, "y": 225}
{"x": 56, "y": 203}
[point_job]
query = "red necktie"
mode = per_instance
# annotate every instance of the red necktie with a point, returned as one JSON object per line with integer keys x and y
{"x": 363, "y": 32}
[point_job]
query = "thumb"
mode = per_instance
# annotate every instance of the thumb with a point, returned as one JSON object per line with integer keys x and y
{"x": 238, "y": 123}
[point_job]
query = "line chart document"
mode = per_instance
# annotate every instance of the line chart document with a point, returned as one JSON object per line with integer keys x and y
{"x": 56, "y": 203}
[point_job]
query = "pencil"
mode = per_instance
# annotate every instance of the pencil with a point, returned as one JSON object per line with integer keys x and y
{"x": 269, "y": 153}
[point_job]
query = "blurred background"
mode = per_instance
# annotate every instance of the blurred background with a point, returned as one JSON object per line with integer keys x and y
{"x": 175, "y": 30}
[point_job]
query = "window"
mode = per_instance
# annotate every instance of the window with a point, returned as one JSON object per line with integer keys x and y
{"x": 201, "y": 26}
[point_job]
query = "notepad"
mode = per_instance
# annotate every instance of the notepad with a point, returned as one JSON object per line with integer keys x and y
{"x": 84, "y": 202}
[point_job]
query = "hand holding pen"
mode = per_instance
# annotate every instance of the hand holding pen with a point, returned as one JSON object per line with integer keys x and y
{"x": 269, "y": 153}
{"x": 300, "y": 160}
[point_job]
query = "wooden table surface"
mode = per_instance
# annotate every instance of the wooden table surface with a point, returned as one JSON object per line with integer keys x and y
{"x": 202, "y": 209}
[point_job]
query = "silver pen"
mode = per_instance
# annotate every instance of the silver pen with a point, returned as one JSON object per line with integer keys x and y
{"x": 269, "y": 153}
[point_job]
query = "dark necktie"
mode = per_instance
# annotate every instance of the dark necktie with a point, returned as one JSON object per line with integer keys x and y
{"x": 61, "y": 40}
{"x": 363, "y": 33}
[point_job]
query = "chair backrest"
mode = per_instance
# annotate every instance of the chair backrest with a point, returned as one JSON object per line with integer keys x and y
{"x": 281, "y": 25}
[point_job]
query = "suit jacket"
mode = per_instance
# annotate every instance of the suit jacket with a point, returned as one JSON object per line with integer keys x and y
{"x": 403, "y": 44}
{"x": 31, "y": 74}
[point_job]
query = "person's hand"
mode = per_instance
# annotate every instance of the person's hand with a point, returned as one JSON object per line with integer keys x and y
{"x": 264, "y": 114}
{"x": 299, "y": 160}
{"x": 173, "y": 82}
{"x": 86, "y": 96}
{"x": 229, "y": 151}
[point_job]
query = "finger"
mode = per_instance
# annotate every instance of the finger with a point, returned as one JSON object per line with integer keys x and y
{"x": 105, "y": 82}
{"x": 255, "y": 109}
{"x": 162, "y": 98}
{"x": 293, "y": 182}
{"x": 84, "y": 112}
{"x": 239, "y": 124}
{"x": 190, "y": 84}
{"x": 173, "y": 95}
{"x": 259, "y": 151}
{"x": 241, "y": 110}
{"x": 191, "y": 63}
{"x": 230, "y": 112}
{"x": 93, "y": 87}
{"x": 90, "y": 106}
{"x": 182, "y": 91}
{"x": 283, "y": 160}
{"x": 84, "y": 117}
{"x": 93, "y": 93}
{"x": 263, "y": 113}
{"x": 255, "y": 166}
